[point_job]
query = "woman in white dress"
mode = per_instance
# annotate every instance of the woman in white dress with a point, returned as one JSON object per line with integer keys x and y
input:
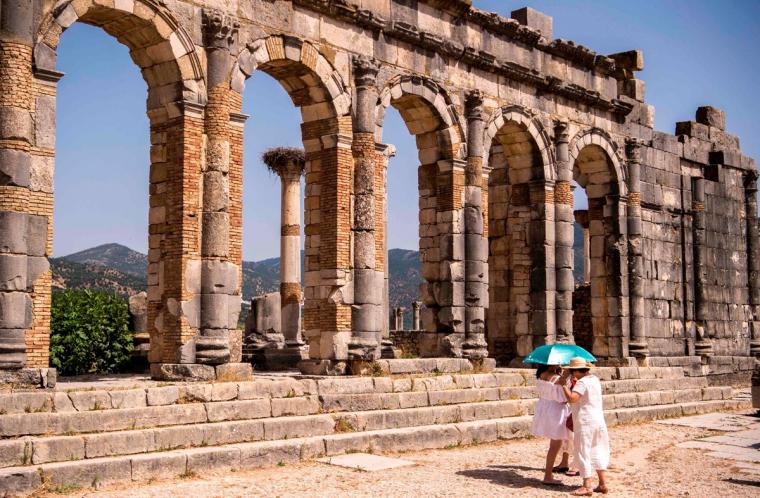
{"x": 550, "y": 418}
{"x": 591, "y": 442}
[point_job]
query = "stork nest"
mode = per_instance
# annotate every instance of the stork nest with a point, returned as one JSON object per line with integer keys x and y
{"x": 278, "y": 158}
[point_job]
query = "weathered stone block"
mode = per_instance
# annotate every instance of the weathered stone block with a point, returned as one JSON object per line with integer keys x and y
{"x": 711, "y": 116}
{"x": 15, "y": 168}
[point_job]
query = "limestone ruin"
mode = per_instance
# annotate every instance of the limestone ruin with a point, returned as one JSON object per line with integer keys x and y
{"x": 505, "y": 118}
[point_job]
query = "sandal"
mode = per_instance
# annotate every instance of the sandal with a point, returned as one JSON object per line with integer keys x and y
{"x": 601, "y": 489}
{"x": 559, "y": 469}
{"x": 582, "y": 492}
{"x": 553, "y": 482}
{"x": 573, "y": 473}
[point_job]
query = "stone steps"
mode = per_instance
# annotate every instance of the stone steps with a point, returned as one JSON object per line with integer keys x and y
{"x": 102, "y": 471}
{"x": 80, "y": 398}
{"x": 294, "y": 398}
{"x": 245, "y": 425}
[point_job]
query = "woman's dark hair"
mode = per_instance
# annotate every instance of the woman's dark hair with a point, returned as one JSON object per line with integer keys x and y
{"x": 541, "y": 369}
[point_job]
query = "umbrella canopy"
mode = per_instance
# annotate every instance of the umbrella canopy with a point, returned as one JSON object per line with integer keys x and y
{"x": 557, "y": 354}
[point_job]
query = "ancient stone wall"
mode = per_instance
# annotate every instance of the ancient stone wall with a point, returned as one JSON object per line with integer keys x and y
{"x": 505, "y": 118}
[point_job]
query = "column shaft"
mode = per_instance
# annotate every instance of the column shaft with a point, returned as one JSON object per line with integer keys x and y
{"x": 753, "y": 260}
{"x": 367, "y": 310}
{"x": 220, "y": 301}
{"x": 476, "y": 245}
{"x": 564, "y": 235}
{"x": 703, "y": 344}
{"x": 290, "y": 260}
{"x": 637, "y": 345}
{"x": 21, "y": 234}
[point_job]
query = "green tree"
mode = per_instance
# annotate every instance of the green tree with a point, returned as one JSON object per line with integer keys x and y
{"x": 89, "y": 332}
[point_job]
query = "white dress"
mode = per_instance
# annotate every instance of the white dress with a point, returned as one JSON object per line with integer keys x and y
{"x": 591, "y": 442}
{"x": 551, "y": 411}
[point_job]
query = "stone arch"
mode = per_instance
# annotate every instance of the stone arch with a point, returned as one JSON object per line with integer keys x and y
{"x": 517, "y": 125}
{"x": 431, "y": 116}
{"x": 172, "y": 69}
{"x": 319, "y": 91}
{"x": 600, "y": 325}
{"x": 520, "y": 175}
{"x": 164, "y": 51}
{"x": 313, "y": 84}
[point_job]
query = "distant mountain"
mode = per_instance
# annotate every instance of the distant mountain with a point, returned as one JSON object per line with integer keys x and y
{"x": 114, "y": 256}
{"x": 116, "y": 268}
{"x": 72, "y": 275}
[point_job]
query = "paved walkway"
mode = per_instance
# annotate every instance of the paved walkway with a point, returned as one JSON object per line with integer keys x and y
{"x": 654, "y": 459}
{"x": 740, "y": 443}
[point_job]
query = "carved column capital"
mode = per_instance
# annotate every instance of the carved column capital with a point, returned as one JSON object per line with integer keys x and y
{"x": 365, "y": 71}
{"x": 561, "y": 132}
{"x": 220, "y": 30}
{"x": 473, "y": 106}
{"x": 633, "y": 150}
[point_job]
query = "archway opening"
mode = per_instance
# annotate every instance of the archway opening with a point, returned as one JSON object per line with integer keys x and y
{"x": 100, "y": 238}
{"x": 402, "y": 215}
{"x": 514, "y": 165}
{"x": 596, "y": 294}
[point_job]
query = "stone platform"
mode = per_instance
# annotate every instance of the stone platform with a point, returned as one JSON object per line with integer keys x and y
{"x": 135, "y": 430}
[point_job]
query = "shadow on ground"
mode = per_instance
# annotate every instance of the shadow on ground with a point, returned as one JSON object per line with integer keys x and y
{"x": 510, "y": 476}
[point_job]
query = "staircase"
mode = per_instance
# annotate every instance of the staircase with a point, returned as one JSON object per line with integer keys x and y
{"x": 63, "y": 440}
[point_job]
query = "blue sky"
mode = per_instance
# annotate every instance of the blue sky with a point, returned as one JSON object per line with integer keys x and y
{"x": 696, "y": 53}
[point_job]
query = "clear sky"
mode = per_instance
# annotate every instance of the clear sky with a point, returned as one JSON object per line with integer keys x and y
{"x": 696, "y": 53}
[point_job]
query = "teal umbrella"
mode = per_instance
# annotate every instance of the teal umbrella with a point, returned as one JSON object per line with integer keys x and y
{"x": 557, "y": 354}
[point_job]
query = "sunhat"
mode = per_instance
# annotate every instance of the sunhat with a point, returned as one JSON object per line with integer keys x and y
{"x": 578, "y": 363}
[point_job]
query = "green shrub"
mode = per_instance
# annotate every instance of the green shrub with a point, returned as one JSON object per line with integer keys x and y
{"x": 89, "y": 332}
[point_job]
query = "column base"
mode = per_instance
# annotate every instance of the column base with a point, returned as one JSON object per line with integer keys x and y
{"x": 754, "y": 348}
{"x": 703, "y": 348}
{"x": 227, "y": 372}
{"x": 28, "y": 378}
{"x": 638, "y": 349}
{"x": 286, "y": 358}
{"x": 323, "y": 367}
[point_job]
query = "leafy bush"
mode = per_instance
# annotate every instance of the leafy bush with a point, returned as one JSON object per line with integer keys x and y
{"x": 89, "y": 332}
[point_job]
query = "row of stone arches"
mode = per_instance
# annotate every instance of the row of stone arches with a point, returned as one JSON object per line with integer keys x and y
{"x": 196, "y": 181}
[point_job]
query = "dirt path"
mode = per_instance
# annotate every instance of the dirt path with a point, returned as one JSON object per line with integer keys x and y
{"x": 645, "y": 463}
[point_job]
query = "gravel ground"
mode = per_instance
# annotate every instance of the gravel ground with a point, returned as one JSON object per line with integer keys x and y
{"x": 645, "y": 462}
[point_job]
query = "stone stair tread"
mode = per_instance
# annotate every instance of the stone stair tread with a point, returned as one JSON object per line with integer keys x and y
{"x": 167, "y": 464}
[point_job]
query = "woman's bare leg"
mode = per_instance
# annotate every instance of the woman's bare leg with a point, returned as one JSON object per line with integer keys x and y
{"x": 554, "y": 446}
{"x": 565, "y": 460}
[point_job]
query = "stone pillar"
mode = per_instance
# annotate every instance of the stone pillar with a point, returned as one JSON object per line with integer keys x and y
{"x": 543, "y": 276}
{"x": 564, "y": 218}
{"x": 22, "y": 236}
{"x": 384, "y": 153}
{"x": 703, "y": 345}
{"x": 637, "y": 345}
{"x": 753, "y": 259}
{"x": 581, "y": 217}
{"x": 476, "y": 245}
{"x": 416, "y": 315}
{"x": 398, "y": 318}
{"x": 288, "y": 164}
{"x": 220, "y": 300}
{"x": 367, "y": 309}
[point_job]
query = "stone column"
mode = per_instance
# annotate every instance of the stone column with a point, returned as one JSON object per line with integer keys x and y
{"x": 581, "y": 217}
{"x": 564, "y": 218}
{"x": 476, "y": 245}
{"x": 416, "y": 315}
{"x": 637, "y": 345}
{"x": 384, "y": 153}
{"x": 543, "y": 276}
{"x": 703, "y": 344}
{"x": 753, "y": 259}
{"x": 398, "y": 318}
{"x": 288, "y": 164}
{"x": 220, "y": 301}
{"x": 367, "y": 309}
{"x": 22, "y": 235}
